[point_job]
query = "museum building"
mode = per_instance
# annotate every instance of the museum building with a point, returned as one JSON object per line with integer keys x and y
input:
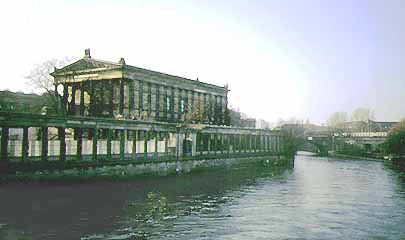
{"x": 92, "y": 87}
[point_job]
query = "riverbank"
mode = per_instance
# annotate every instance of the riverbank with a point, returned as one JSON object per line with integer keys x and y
{"x": 138, "y": 169}
{"x": 344, "y": 156}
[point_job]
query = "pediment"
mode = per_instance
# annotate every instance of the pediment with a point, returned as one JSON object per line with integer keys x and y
{"x": 86, "y": 64}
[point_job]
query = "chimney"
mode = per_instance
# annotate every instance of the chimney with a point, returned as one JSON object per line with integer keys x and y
{"x": 87, "y": 53}
{"x": 122, "y": 61}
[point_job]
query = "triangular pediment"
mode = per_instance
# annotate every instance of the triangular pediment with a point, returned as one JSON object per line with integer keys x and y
{"x": 86, "y": 64}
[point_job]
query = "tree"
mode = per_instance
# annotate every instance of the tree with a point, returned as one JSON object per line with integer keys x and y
{"x": 395, "y": 143}
{"x": 39, "y": 81}
{"x": 336, "y": 119}
{"x": 362, "y": 114}
{"x": 292, "y": 134}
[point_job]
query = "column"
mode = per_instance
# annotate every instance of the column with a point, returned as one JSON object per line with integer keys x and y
{"x": 4, "y": 144}
{"x": 186, "y": 106}
{"x": 44, "y": 139}
{"x": 276, "y": 144}
{"x": 122, "y": 144}
{"x": 156, "y": 143}
{"x": 111, "y": 103}
{"x": 221, "y": 110}
{"x": 167, "y": 134}
{"x": 131, "y": 103}
{"x": 179, "y": 105}
{"x": 209, "y": 143}
{"x": 122, "y": 95}
{"x": 149, "y": 100}
{"x": 228, "y": 143}
{"x": 222, "y": 143}
{"x": 194, "y": 144}
{"x": 65, "y": 98}
{"x": 72, "y": 108}
{"x": 109, "y": 136}
{"x": 25, "y": 145}
{"x": 145, "y": 143}
{"x": 95, "y": 141}
{"x": 192, "y": 102}
{"x": 239, "y": 136}
{"x": 165, "y": 104}
{"x": 62, "y": 144}
{"x": 179, "y": 144}
{"x": 245, "y": 143}
{"x": 134, "y": 141}
{"x": 79, "y": 141}
{"x": 171, "y": 104}
{"x": 82, "y": 99}
{"x": 101, "y": 104}
{"x": 157, "y": 102}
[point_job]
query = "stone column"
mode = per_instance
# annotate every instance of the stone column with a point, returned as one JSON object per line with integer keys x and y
{"x": 149, "y": 99}
{"x": 145, "y": 143}
{"x": 167, "y": 134}
{"x": 192, "y": 102}
{"x": 4, "y": 144}
{"x": 165, "y": 112}
{"x": 25, "y": 145}
{"x": 62, "y": 143}
{"x": 222, "y": 142}
{"x": 134, "y": 142}
{"x": 194, "y": 144}
{"x": 95, "y": 142}
{"x": 79, "y": 139}
{"x": 122, "y": 95}
{"x": 131, "y": 102}
{"x": 72, "y": 108}
{"x": 209, "y": 143}
{"x": 157, "y": 102}
{"x": 179, "y": 105}
{"x": 65, "y": 98}
{"x": 82, "y": 99}
{"x": 122, "y": 144}
{"x": 171, "y": 104}
{"x": 109, "y": 136}
{"x": 179, "y": 144}
{"x": 111, "y": 104}
{"x": 156, "y": 143}
{"x": 44, "y": 140}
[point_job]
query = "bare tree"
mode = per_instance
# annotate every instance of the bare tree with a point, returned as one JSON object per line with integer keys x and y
{"x": 40, "y": 82}
{"x": 337, "y": 118}
{"x": 362, "y": 114}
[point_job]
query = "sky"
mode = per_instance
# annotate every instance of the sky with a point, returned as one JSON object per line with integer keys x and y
{"x": 282, "y": 59}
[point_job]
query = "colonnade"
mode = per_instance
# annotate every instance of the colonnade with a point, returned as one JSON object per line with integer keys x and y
{"x": 135, "y": 99}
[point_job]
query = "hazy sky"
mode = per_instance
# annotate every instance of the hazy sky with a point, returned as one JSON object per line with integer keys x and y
{"x": 281, "y": 59}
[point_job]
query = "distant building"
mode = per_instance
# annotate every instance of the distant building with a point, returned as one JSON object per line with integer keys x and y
{"x": 261, "y": 124}
{"x": 364, "y": 126}
{"x": 375, "y": 126}
{"x": 100, "y": 88}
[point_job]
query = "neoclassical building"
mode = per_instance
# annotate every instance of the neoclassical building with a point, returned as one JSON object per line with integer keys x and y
{"x": 100, "y": 88}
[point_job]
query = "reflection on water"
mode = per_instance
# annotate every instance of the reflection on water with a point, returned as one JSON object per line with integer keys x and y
{"x": 319, "y": 199}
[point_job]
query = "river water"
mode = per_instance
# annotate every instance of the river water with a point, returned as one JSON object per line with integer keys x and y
{"x": 319, "y": 198}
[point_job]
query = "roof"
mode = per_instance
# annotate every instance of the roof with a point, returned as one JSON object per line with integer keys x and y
{"x": 88, "y": 64}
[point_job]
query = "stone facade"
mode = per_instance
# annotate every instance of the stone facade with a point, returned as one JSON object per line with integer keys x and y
{"x": 99, "y": 88}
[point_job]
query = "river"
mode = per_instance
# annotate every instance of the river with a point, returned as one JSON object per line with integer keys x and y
{"x": 319, "y": 198}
